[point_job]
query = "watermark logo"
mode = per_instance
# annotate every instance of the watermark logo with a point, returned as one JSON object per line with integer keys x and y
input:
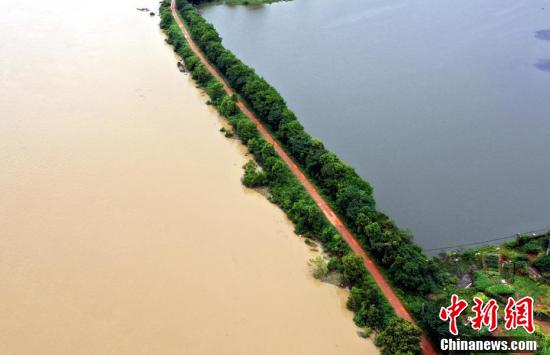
{"x": 519, "y": 314}
{"x": 516, "y": 314}
{"x": 452, "y": 312}
{"x": 485, "y": 314}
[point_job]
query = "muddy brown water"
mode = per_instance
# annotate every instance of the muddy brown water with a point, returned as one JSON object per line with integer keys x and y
{"x": 124, "y": 228}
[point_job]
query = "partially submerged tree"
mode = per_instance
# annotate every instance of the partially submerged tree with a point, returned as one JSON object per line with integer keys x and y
{"x": 320, "y": 268}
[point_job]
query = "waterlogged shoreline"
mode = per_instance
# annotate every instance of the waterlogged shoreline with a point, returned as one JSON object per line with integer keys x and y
{"x": 125, "y": 228}
{"x": 212, "y": 61}
{"x": 372, "y": 299}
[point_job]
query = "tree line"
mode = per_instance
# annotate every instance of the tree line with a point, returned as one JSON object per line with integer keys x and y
{"x": 351, "y": 195}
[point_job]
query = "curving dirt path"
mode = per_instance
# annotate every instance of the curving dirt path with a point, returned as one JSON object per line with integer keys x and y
{"x": 395, "y": 302}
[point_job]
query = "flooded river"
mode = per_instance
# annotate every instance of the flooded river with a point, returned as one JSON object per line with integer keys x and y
{"x": 124, "y": 228}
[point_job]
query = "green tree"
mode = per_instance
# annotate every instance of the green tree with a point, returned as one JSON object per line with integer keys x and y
{"x": 215, "y": 91}
{"x": 543, "y": 263}
{"x": 191, "y": 63}
{"x": 370, "y": 315}
{"x": 353, "y": 199}
{"x": 227, "y": 106}
{"x": 165, "y": 19}
{"x": 353, "y": 269}
{"x": 253, "y": 177}
{"x": 225, "y": 60}
{"x": 399, "y": 337}
{"x": 279, "y": 172}
{"x": 289, "y": 129}
{"x": 201, "y": 74}
{"x": 307, "y": 216}
{"x": 356, "y": 298}
{"x": 245, "y": 128}
{"x": 238, "y": 75}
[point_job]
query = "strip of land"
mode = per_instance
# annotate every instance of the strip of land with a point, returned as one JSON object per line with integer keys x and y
{"x": 387, "y": 290}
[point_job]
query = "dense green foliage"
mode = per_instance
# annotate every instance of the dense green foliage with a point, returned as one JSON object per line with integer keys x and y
{"x": 500, "y": 290}
{"x": 286, "y": 191}
{"x": 353, "y": 270}
{"x": 369, "y": 305}
{"x": 482, "y": 281}
{"x": 414, "y": 273}
{"x": 543, "y": 263}
{"x": 352, "y": 197}
{"x": 252, "y": 176}
{"x": 366, "y": 299}
{"x": 399, "y": 337}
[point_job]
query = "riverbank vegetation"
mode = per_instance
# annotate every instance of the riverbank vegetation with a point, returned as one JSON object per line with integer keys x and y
{"x": 422, "y": 282}
{"x": 414, "y": 273}
{"x": 371, "y": 308}
{"x": 351, "y": 196}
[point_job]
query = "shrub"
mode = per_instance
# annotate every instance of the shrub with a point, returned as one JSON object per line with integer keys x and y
{"x": 334, "y": 264}
{"x": 215, "y": 90}
{"x": 201, "y": 74}
{"x": 252, "y": 176}
{"x": 521, "y": 267}
{"x": 400, "y": 337}
{"x": 532, "y": 247}
{"x": 522, "y": 239}
{"x": 369, "y": 304}
{"x": 482, "y": 281}
{"x": 165, "y": 18}
{"x": 492, "y": 260}
{"x": 227, "y": 106}
{"x": 500, "y": 290}
{"x": 356, "y": 298}
{"x": 543, "y": 263}
{"x": 369, "y": 315}
{"x": 367, "y": 332}
{"x": 481, "y": 296}
{"x": 337, "y": 246}
{"x": 511, "y": 244}
{"x": 245, "y": 128}
{"x": 353, "y": 269}
{"x": 320, "y": 269}
{"x": 521, "y": 257}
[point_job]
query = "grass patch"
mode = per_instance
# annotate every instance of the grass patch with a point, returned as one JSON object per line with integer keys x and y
{"x": 527, "y": 287}
{"x": 482, "y": 281}
{"x": 500, "y": 290}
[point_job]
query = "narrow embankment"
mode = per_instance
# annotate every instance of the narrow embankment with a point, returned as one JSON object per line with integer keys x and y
{"x": 387, "y": 290}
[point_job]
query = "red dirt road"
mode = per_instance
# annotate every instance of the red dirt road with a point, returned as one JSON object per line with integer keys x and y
{"x": 395, "y": 302}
